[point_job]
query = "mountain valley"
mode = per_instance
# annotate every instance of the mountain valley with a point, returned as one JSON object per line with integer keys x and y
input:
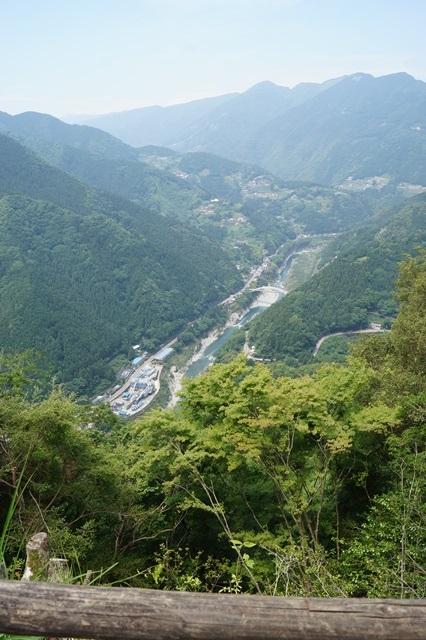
{"x": 265, "y": 221}
{"x": 167, "y": 200}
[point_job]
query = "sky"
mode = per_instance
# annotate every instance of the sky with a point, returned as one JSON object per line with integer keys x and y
{"x": 101, "y": 56}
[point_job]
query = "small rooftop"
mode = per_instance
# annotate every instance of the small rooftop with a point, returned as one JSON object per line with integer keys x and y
{"x": 164, "y": 354}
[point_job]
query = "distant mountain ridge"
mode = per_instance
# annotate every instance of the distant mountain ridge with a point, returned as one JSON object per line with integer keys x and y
{"x": 140, "y": 127}
{"x": 360, "y": 127}
{"x": 357, "y": 125}
{"x": 186, "y": 126}
{"x": 40, "y": 125}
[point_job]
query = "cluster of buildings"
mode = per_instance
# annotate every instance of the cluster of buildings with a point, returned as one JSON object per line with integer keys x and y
{"x": 140, "y": 386}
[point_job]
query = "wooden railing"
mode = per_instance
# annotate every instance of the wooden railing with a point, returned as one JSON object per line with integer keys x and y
{"x": 67, "y": 611}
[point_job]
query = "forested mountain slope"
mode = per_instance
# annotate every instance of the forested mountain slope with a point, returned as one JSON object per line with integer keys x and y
{"x": 39, "y": 125}
{"x": 361, "y": 126}
{"x": 151, "y": 187}
{"x": 358, "y": 280}
{"x": 85, "y": 273}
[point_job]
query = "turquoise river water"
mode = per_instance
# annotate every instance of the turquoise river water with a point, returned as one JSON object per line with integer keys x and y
{"x": 206, "y": 359}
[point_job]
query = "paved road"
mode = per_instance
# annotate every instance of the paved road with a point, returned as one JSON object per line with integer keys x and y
{"x": 343, "y": 333}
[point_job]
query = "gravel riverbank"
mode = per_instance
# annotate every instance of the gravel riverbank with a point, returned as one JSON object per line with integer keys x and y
{"x": 177, "y": 375}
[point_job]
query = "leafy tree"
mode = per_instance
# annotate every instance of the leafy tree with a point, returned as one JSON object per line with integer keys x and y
{"x": 69, "y": 485}
{"x": 409, "y": 329}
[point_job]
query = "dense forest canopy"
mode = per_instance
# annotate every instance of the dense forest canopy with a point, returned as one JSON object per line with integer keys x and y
{"x": 308, "y": 486}
{"x": 84, "y": 274}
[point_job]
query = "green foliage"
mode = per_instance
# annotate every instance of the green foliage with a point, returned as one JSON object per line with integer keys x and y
{"x": 315, "y": 483}
{"x": 242, "y": 442}
{"x": 212, "y": 319}
{"x": 232, "y": 347}
{"x": 4, "y": 636}
{"x": 400, "y": 358}
{"x": 175, "y": 570}
{"x": 55, "y": 477}
{"x": 409, "y": 329}
{"x": 385, "y": 558}
{"x": 335, "y": 349}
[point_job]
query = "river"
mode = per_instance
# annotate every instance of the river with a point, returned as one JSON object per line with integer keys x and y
{"x": 206, "y": 359}
{"x": 286, "y": 268}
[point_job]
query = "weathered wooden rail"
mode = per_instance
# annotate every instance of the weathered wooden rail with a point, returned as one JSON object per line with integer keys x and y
{"x": 56, "y": 610}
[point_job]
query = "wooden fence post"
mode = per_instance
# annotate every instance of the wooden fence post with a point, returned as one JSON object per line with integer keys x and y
{"x": 58, "y": 570}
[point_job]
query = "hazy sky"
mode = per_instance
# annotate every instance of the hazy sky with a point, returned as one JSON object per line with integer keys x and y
{"x": 98, "y": 56}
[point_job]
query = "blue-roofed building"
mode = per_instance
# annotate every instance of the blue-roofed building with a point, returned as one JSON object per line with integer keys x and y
{"x": 136, "y": 361}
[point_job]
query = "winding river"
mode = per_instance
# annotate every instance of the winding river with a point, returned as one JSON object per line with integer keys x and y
{"x": 206, "y": 359}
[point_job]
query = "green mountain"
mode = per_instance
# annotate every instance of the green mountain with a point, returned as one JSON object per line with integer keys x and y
{"x": 359, "y": 279}
{"x": 360, "y": 127}
{"x": 46, "y": 127}
{"x": 84, "y": 274}
{"x": 153, "y": 125}
{"x": 156, "y": 189}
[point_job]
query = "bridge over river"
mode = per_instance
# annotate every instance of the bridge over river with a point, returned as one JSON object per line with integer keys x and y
{"x": 269, "y": 294}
